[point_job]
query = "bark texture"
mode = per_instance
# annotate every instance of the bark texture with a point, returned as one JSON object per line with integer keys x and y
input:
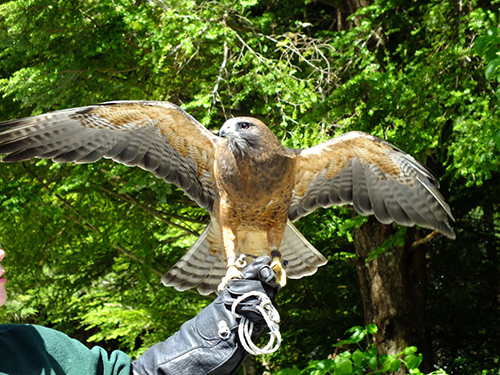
{"x": 393, "y": 288}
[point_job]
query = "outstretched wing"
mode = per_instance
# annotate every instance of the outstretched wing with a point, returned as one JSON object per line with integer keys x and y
{"x": 372, "y": 175}
{"x": 159, "y": 137}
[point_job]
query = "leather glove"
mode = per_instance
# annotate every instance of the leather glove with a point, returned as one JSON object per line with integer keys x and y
{"x": 209, "y": 343}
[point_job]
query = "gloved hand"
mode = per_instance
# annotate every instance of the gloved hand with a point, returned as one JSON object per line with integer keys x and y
{"x": 257, "y": 277}
{"x": 209, "y": 343}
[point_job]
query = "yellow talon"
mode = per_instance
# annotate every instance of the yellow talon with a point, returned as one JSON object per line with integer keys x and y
{"x": 278, "y": 267}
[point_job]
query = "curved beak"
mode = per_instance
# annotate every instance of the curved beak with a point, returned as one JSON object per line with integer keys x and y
{"x": 227, "y": 129}
{"x": 222, "y": 132}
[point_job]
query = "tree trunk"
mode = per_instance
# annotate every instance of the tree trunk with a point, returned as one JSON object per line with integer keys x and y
{"x": 344, "y": 9}
{"x": 393, "y": 288}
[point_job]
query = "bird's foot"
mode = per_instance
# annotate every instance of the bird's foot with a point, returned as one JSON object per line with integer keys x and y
{"x": 233, "y": 271}
{"x": 278, "y": 266}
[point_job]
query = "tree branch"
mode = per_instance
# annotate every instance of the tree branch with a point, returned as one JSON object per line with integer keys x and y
{"x": 424, "y": 240}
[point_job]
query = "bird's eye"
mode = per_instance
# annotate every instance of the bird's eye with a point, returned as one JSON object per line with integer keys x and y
{"x": 245, "y": 125}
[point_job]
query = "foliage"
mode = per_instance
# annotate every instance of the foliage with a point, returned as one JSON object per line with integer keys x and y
{"x": 86, "y": 243}
{"x": 488, "y": 47}
{"x": 364, "y": 359}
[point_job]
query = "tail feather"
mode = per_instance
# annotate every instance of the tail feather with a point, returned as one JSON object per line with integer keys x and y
{"x": 212, "y": 279}
{"x": 202, "y": 266}
{"x": 303, "y": 259}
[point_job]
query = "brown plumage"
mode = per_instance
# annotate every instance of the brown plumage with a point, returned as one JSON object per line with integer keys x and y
{"x": 252, "y": 186}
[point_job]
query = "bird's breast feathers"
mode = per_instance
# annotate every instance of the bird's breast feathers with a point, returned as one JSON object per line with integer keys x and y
{"x": 253, "y": 174}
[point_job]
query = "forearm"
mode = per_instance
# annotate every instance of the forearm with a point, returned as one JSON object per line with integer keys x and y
{"x": 206, "y": 344}
{"x": 210, "y": 342}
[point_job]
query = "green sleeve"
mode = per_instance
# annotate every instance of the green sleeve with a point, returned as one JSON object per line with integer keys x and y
{"x": 30, "y": 349}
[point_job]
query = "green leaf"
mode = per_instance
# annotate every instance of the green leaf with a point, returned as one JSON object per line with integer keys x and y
{"x": 373, "y": 351}
{"x": 317, "y": 372}
{"x": 373, "y": 363}
{"x": 491, "y": 68}
{"x": 496, "y": 137}
{"x": 491, "y": 53}
{"x": 325, "y": 364}
{"x": 390, "y": 363}
{"x": 413, "y": 361}
{"x": 372, "y": 329}
{"x": 354, "y": 329}
{"x": 394, "y": 364}
{"x": 320, "y": 367}
{"x": 410, "y": 350}
{"x": 481, "y": 44}
{"x": 288, "y": 371}
{"x": 498, "y": 91}
{"x": 358, "y": 357}
{"x": 343, "y": 365}
{"x": 358, "y": 334}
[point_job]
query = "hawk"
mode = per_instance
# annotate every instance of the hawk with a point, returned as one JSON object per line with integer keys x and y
{"x": 252, "y": 186}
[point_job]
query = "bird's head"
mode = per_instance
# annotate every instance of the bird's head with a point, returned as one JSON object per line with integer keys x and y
{"x": 247, "y": 134}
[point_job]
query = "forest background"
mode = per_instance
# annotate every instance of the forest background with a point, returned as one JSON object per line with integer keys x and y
{"x": 86, "y": 243}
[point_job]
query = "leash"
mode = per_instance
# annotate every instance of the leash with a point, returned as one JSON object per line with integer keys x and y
{"x": 245, "y": 328}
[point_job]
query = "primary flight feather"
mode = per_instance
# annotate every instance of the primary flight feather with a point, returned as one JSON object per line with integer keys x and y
{"x": 251, "y": 185}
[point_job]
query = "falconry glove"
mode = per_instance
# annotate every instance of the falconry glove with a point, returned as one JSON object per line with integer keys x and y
{"x": 210, "y": 343}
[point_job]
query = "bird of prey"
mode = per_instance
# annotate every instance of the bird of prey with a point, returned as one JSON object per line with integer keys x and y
{"x": 252, "y": 186}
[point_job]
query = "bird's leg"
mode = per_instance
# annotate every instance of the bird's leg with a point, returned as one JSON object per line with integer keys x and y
{"x": 234, "y": 264}
{"x": 233, "y": 270}
{"x": 274, "y": 239}
{"x": 278, "y": 266}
